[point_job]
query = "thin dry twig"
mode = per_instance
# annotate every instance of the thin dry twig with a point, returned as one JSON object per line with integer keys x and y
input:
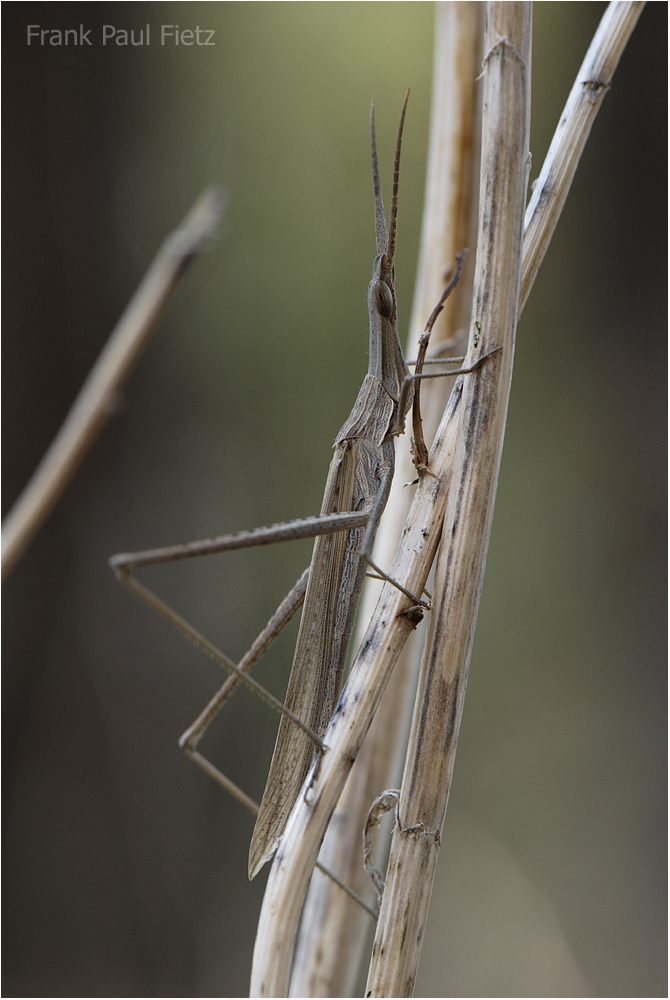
{"x": 558, "y": 170}
{"x": 97, "y": 398}
{"x": 469, "y": 513}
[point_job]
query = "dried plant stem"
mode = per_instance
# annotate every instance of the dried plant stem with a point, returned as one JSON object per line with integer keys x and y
{"x": 436, "y": 724}
{"x": 97, "y": 397}
{"x": 469, "y": 513}
{"x": 294, "y": 860}
{"x": 333, "y": 931}
{"x": 592, "y": 83}
{"x": 296, "y": 855}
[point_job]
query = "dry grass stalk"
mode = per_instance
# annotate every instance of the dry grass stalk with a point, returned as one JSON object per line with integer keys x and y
{"x": 469, "y": 514}
{"x": 435, "y": 729}
{"x": 333, "y": 930}
{"x": 296, "y": 855}
{"x": 98, "y": 396}
{"x": 592, "y": 83}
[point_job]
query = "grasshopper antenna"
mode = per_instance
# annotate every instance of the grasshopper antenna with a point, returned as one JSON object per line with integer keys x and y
{"x": 390, "y": 252}
{"x": 381, "y": 232}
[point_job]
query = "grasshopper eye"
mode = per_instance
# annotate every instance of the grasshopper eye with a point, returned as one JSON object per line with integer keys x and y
{"x": 383, "y": 299}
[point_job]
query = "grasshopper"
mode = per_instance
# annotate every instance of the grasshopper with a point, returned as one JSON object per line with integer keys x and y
{"x": 357, "y": 488}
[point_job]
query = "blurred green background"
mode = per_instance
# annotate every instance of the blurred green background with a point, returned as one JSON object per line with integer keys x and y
{"x": 125, "y": 867}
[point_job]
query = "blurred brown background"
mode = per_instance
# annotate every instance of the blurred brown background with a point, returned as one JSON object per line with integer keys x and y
{"x": 125, "y": 867}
